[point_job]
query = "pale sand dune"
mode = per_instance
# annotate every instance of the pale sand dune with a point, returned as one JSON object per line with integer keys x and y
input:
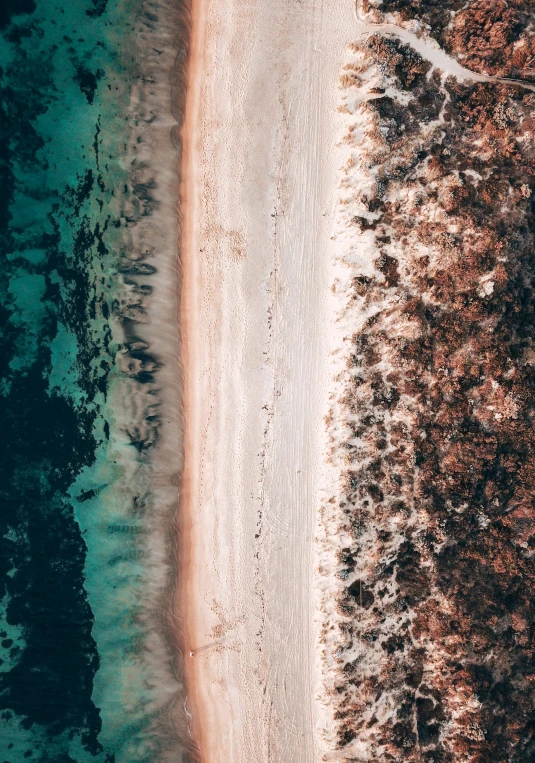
{"x": 258, "y": 193}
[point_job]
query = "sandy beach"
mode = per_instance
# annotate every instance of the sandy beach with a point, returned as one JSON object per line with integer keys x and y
{"x": 259, "y": 180}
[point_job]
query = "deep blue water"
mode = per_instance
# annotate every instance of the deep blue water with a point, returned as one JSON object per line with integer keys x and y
{"x": 72, "y": 684}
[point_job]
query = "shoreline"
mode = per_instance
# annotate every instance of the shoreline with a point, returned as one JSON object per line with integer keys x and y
{"x": 188, "y": 202}
{"x": 150, "y": 288}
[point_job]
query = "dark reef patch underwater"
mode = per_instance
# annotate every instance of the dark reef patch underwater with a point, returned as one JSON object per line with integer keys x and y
{"x": 86, "y": 672}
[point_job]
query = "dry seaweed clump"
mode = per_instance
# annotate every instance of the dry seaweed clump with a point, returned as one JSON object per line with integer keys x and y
{"x": 495, "y": 37}
{"x": 432, "y": 419}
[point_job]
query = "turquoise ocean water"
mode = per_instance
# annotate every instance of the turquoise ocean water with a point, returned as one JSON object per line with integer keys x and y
{"x": 87, "y": 671}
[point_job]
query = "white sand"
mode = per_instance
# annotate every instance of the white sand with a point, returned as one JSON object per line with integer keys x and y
{"x": 260, "y": 185}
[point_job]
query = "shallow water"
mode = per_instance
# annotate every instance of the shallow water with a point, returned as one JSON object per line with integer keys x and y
{"x": 87, "y": 673}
